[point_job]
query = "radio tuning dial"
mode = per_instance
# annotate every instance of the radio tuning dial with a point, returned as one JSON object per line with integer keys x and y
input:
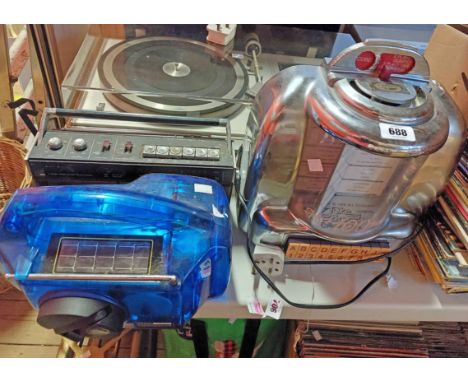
{"x": 54, "y": 143}
{"x": 79, "y": 144}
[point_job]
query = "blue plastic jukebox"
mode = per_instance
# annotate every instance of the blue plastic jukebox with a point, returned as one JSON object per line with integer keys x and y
{"x": 94, "y": 258}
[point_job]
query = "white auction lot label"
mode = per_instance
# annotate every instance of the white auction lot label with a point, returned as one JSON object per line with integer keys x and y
{"x": 402, "y": 133}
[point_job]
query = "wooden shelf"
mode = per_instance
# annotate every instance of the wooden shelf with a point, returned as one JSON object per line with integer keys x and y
{"x": 20, "y": 334}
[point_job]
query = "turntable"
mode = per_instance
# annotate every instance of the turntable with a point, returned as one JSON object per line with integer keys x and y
{"x": 184, "y": 71}
{"x": 163, "y": 75}
{"x": 177, "y": 72}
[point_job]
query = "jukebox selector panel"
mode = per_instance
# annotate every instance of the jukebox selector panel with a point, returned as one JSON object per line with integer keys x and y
{"x": 71, "y": 157}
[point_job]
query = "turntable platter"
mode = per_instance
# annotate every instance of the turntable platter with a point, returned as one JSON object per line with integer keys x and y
{"x": 184, "y": 68}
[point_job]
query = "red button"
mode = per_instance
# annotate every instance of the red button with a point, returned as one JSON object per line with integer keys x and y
{"x": 365, "y": 60}
{"x": 393, "y": 64}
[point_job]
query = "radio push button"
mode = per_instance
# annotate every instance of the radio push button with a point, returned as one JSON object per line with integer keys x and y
{"x": 213, "y": 154}
{"x": 188, "y": 152}
{"x": 201, "y": 153}
{"x": 175, "y": 152}
{"x": 162, "y": 151}
{"x": 149, "y": 151}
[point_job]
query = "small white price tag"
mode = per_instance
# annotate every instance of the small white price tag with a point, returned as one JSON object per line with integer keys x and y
{"x": 255, "y": 307}
{"x": 203, "y": 188}
{"x": 401, "y": 133}
{"x": 274, "y": 308}
{"x": 316, "y": 335}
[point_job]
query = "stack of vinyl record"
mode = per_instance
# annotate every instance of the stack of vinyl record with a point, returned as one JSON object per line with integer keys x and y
{"x": 379, "y": 339}
{"x": 361, "y": 339}
{"x": 445, "y": 339}
{"x": 441, "y": 250}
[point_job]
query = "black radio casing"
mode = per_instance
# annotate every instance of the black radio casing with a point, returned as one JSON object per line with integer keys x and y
{"x": 59, "y": 157}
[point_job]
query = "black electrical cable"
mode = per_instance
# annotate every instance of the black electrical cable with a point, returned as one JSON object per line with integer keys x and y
{"x": 26, "y": 113}
{"x": 272, "y": 285}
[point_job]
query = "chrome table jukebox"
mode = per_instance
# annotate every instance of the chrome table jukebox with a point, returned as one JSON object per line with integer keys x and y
{"x": 93, "y": 258}
{"x": 346, "y": 157}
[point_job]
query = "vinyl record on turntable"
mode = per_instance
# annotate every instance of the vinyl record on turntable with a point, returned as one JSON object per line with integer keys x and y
{"x": 179, "y": 68}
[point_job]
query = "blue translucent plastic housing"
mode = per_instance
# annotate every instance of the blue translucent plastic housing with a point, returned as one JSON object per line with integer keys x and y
{"x": 175, "y": 225}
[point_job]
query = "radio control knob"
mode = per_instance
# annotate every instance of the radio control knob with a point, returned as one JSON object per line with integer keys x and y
{"x": 79, "y": 144}
{"x": 54, "y": 143}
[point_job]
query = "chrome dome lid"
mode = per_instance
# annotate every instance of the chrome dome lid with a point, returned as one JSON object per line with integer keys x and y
{"x": 377, "y": 96}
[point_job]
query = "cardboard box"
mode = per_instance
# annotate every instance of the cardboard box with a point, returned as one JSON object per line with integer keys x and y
{"x": 447, "y": 54}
